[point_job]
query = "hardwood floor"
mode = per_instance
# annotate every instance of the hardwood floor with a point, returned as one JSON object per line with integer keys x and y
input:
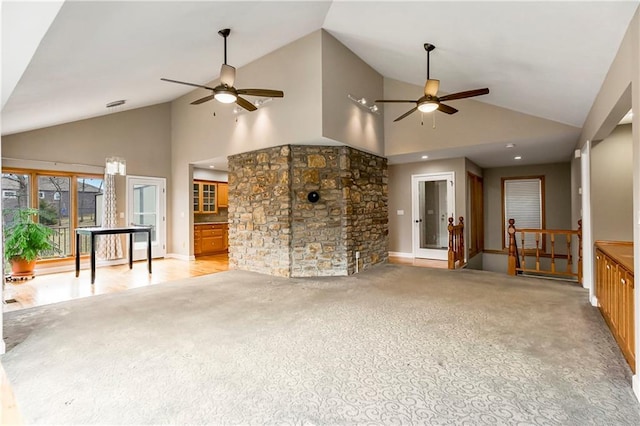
{"x": 52, "y": 288}
{"x": 424, "y": 263}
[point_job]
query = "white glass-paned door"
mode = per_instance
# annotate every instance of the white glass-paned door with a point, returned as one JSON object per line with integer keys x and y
{"x": 433, "y": 203}
{"x": 146, "y": 201}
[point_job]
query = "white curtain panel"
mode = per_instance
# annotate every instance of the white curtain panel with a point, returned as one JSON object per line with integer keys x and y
{"x": 109, "y": 246}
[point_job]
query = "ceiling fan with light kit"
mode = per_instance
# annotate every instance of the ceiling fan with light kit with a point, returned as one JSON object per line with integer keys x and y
{"x": 430, "y": 101}
{"x": 225, "y": 92}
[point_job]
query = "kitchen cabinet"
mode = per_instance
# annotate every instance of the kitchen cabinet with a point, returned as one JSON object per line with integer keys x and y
{"x": 223, "y": 194}
{"x": 614, "y": 290}
{"x": 208, "y": 196}
{"x": 210, "y": 238}
{"x": 204, "y": 197}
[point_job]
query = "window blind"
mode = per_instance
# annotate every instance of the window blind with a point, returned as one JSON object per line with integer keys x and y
{"x": 523, "y": 202}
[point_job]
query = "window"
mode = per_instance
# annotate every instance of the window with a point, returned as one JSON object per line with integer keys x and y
{"x": 65, "y": 201}
{"x": 523, "y": 201}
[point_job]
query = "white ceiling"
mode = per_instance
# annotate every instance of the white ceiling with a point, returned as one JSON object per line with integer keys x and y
{"x": 547, "y": 59}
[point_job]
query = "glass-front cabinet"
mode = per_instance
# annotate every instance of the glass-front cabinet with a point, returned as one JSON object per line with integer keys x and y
{"x": 204, "y": 197}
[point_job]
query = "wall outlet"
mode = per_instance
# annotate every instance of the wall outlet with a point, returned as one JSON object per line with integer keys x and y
{"x": 400, "y": 212}
{"x": 357, "y": 255}
{"x": 121, "y": 215}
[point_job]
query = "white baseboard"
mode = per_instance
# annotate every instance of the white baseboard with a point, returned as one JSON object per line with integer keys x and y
{"x": 594, "y": 301}
{"x": 401, "y": 254}
{"x": 635, "y": 382}
{"x": 185, "y": 257}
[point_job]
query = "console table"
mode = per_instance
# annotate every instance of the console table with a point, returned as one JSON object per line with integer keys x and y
{"x": 92, "y": 232}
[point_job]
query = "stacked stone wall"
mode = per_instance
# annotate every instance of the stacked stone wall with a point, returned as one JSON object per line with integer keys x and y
{"x": 260, "y": 211}
{"x": 275, "y": 229}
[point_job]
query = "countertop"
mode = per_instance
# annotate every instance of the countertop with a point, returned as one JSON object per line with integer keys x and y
{"x": 622, "y": 252}
{"x": 210, "y": 223}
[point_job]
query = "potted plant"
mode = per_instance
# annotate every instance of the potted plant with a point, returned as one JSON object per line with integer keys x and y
{"x": 24, "y": 241}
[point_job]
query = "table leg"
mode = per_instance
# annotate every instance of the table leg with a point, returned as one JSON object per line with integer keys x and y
{"x": 149, "y": 249}
{"x": 130, "y": 250}
{"x": 93, "y": 258}
{"x": 77, "y": 254}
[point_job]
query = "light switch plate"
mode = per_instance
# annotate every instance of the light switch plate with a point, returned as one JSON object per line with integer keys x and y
{"x": 400, "y": 212}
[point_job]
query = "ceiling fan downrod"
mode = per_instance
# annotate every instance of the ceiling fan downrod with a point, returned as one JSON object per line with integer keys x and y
{"x": 225, "y": 33}
{"x": 428, "y": 47}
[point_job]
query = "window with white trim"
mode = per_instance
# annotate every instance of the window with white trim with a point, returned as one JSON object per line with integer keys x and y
{"x": 523, "y": 201}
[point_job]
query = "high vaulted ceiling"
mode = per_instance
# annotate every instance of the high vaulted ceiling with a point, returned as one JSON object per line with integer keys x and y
{"x": 546, "y": 59}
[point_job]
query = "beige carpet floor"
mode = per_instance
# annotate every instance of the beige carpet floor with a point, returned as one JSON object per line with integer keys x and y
{"x": 393, "y": 345}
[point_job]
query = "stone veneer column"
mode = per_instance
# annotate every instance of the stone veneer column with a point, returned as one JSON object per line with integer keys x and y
{"x": 260, "y": 211}
{"x": 274, "y": 229}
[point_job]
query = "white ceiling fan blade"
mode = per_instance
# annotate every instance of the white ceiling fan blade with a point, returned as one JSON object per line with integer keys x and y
{"x": 431, "y": 87}
{"x": 227, "y": 75}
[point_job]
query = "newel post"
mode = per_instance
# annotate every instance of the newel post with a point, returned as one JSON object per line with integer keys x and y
{"x": 451, "y": 260}
{"x": 511, "y": 268}
{"x": 580, "y": 251}
{"x": 461, "y": 245}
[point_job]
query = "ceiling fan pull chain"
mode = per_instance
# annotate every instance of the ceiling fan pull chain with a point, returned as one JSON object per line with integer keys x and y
{"x": 421, "y": 118}
{"x": 434, "y": 120}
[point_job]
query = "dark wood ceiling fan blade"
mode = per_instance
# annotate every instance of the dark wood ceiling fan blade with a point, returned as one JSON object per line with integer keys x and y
{"x": 447, "y": 109}
{"x": 245, "y": 104}
{"x": 395, "y": 100}
{"x": 411, "y": 111}
{"x": 188, "y": 84}
{"x": 262, "y": 92}
{"x": 203, "y": 100}
{"x": 467, "y": 94}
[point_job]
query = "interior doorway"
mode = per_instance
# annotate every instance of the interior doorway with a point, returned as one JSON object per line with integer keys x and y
{"x": 433, "y": 198}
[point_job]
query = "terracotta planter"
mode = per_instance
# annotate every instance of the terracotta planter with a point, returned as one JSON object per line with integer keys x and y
{"x": 22, "y": 268}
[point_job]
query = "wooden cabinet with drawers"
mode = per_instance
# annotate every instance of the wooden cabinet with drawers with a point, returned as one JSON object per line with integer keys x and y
{"x": 210, "y": 238}
{"x": 614, "y": 290}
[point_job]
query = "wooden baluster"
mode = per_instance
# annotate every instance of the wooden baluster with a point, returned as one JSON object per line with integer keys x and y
{"x": 511, "y": 266}
{"x": 537, "y": 251}
{"x": 461, "y": 246}
{"x": 580, "y": 251}
{"x": 523, "y": 262}
{"x": 569, "y": 257}
{"x": 451, "y": 262}
{"x": 553, "y": 258}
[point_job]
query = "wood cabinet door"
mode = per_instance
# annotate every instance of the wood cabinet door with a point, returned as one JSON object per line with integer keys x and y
{"x": 223, "y": 195}
{"x": 197, "y": 242}
{"x": 197, "y": 206}
{"x": 209, "y": 191}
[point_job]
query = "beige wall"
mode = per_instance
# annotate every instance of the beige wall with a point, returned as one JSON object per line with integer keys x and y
{"x": 141, "y": 136}
{"x": 342, "y": 120}
{"x": 400, "y": 227}
{"x": 619, "y": 92}
{"x": 557, "y": 198}
{"x": 612, "y": 186}
{"x": 477, "y": 123}
{"x": 199, "y": 135}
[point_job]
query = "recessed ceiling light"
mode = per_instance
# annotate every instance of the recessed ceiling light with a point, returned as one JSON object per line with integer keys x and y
{"x": 212, "y": 167}
{"x": 517, "y": 157}
{"x": 424, "y": 157}
{"x": 510, "y": 145}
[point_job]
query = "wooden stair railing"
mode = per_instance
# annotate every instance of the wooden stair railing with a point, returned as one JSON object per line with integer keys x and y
{"x": 456, "y": 244}
{"x": 554, "y": 236}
